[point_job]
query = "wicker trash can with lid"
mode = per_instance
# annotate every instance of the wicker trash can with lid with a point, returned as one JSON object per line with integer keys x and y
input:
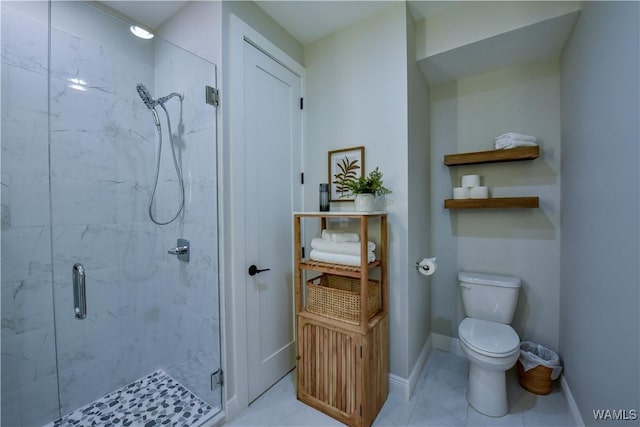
{"x": 537, "y": 367}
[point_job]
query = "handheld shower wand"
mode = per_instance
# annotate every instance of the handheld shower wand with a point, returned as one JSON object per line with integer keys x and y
{"x": 151, "y": 104}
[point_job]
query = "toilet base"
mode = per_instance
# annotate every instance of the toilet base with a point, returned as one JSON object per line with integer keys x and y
{"x": 487, "y": 391}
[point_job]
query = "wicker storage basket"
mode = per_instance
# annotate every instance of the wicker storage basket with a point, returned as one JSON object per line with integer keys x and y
{"x": 537, "y": 380}
{"x": 338, "y": 297}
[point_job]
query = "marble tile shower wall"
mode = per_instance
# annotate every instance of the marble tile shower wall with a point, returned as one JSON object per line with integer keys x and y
{"x": 146, "y": 309}
{"x": 190, "y": 325}
{"x": 28, "y": 336}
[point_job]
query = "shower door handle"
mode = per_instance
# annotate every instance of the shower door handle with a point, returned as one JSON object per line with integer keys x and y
{"x": 79, "y": 292}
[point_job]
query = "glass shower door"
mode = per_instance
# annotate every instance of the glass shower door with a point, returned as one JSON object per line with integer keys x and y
{"x": 151, "y": 320}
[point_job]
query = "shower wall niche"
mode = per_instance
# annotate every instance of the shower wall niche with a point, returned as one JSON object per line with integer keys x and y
{"x": 79, "y": 152}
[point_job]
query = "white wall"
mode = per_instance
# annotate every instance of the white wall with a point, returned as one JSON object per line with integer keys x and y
{"x": 465, "y": 116}
{"x": 599, "y": 328}
{"x": 257, "y": 19}
{"x": 197, "y": 27}
{"x": 419, "y": 212}
{"x": 356, "y": 94}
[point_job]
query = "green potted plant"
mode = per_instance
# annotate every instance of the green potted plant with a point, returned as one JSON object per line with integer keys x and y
{"x": 366, "y": 188}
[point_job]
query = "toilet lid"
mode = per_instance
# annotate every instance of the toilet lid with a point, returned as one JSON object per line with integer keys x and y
{"x": 488, "y": 338}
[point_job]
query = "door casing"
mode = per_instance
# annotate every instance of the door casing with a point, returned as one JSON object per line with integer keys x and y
{"x": 233, "y": 260}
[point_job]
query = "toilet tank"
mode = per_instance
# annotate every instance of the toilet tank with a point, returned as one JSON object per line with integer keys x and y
{"x": 488, "y": 296}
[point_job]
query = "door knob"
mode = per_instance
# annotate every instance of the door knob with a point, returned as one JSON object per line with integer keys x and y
{"x": 253, "y": 270}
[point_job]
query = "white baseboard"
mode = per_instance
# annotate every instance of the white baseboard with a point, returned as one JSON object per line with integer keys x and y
{"x": 404, "y": 387}
{"x": 399, "y": 386}
{"x": 231, "y": 409}
{"x": 573, "y": 407}
{"x": 414, "y": 377}
{"x": 217, "y": 421}
{"x": 445, "y": 343}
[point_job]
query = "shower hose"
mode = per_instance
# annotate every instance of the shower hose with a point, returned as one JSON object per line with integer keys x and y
{"x": 177, "y": 167}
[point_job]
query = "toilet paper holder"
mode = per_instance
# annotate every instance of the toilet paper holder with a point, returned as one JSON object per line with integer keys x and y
{"x": 427, "y": 266}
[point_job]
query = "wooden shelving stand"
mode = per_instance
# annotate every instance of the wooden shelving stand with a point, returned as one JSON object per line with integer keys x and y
{"x": 493, "y": 156}
{"x": 343, "y": 367}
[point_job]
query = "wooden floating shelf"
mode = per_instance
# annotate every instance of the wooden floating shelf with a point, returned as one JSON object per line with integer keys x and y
{"x": 493, "y": 156}
{"x": 493, "y": 203}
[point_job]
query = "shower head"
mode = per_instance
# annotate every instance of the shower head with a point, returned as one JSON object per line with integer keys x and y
{"x": 149, "y": 102}
{"x": 146, "y": 96}
{"x": 152, "y": 103}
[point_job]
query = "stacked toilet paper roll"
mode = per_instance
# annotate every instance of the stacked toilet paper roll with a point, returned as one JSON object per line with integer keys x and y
{"x": 470, "y": 189}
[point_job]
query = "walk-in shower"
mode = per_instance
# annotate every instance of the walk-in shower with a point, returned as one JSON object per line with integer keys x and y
{"x": 80, "y": 156}
{"x": 151, "y": 105}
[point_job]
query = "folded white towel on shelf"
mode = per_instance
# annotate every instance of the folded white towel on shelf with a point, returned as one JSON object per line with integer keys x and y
{"x": 353, "y": 260}
{"x": 513, "y": 140}
{"x": 340, "y": 236}
{"x": 503, "y": 144}
{"x": 347, "y": 248}
{"x": 516, "y": 136}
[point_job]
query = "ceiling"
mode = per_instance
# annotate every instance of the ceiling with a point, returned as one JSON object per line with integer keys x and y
{"x": 309, "y": 21}
{"x": 306, "y": 20}
{"x": 149, "y": 13}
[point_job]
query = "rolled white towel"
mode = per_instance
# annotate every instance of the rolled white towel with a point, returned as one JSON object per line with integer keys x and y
{"x": 340, "y": 236}
{"x": 347, "y": 248}
{"x": 516, "y": 136}
{"x": 343, "y": 259}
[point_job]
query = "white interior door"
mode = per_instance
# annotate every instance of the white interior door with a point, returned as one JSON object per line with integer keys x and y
{"x": 272, "y": 192}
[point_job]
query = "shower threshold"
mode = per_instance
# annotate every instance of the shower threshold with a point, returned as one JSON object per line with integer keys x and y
{"x": 155, "y": 400}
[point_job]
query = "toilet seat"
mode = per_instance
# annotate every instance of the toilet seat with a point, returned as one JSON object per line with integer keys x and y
{"x": 489, "y": 338}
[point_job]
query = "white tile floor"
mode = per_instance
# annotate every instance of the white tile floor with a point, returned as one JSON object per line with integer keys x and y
{"x": 438, "y": 400}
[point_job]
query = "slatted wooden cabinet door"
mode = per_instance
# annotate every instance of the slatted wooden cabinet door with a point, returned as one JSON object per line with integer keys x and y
{"x": 327, "y": 369}
{"x": 343, "y": 373}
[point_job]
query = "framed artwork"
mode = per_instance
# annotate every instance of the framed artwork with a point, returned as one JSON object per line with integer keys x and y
{"x": 344, "y": 165}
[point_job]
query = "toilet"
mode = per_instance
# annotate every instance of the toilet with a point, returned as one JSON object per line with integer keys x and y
{"x": 488, "y": 342}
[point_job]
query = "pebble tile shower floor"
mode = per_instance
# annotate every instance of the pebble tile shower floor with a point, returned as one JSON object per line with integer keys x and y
{"x": 155, "y": 400}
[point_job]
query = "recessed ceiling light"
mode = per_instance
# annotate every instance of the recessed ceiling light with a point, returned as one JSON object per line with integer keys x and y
{"x": 140, "y": 32}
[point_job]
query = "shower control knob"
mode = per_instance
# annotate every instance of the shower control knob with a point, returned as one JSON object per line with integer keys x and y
{"x": 181, "y": 250}
{"x": 178, "y": 250}
{"x": 253, "y": 270}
